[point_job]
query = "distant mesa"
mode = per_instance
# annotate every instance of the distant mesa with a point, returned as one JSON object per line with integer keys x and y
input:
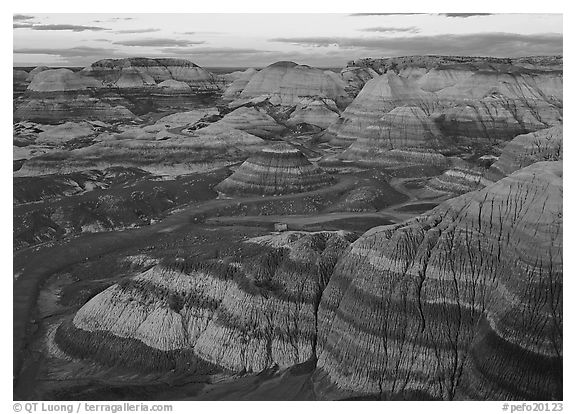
{"x": 470, "y": 101}
{"x": 56, "y": 80}
{"x": 278, "y": 169}
{"x": 299, "y": 97}
{"x": 137, "y": 72}
{"x": 55, "y": 109}
{"x": 19, "y": 75}
{"x": 286, "y": 83}
{"x": 36, "y": 71}
{"x": 56, "y": 95}
{"x": 131, "y": 77}
{"x": 239, "y": 80}
{"x": 359, "y": 71}
{"x": 115, "y": 89}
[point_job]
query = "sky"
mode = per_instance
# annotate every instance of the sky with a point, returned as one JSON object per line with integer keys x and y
{"x": 257, "y": 40}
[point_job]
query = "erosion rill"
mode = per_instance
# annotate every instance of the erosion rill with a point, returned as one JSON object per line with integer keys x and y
{"x": 242, "y": 314}
{"x": 464, "y": 302}
{"x": 278, "y": 169}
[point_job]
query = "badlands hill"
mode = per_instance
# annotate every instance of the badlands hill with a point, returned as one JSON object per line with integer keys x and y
{"x": 142, "y": 72}
{"x": 294, "y": 95}
{"x": 144, "y": 201}
{"x": 358, "y": 72}
{"x": 524, "y": 150}
{"x": 115, "y": 89}
{"x": 452, "y": 105}
{"x": 245, "y": 313}
{"x": 543, "y": 145}
{"x": 277, "y": 169}
{"x": 462, "y": 303}
{"x": 286, "y": 83}
{"x": 54, "y": 80}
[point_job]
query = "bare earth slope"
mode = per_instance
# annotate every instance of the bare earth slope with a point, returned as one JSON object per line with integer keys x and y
{"x": 462, "y": 303}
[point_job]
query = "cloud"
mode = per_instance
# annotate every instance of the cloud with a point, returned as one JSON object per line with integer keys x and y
{"x": 411, "y": 29}
{"x": 72, "y": 27}
{"x": 74, "y": 52}
{"x": 465, "y": 15}
{"x": 462, "y": 15}
{"x": 158, "y": 42}
{"x": 19, "y": 17}
{"x": 137, "y": 31}
{"x": 475, "y": 44}
{"x": 384, "y": 14}
{"x": 204, "y": 51}
{"x": 113, "y": 19}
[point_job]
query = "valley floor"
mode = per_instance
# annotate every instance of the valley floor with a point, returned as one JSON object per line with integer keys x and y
{"x": 40, "y": 272}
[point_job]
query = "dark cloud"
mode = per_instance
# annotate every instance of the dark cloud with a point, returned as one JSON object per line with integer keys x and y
{"x": 188, "y": 33}
{"x": 137, "y": 31}
{"x": 476, "y": 44}
{"x": 19, "y": 17}
{"x": 158, "y": 42}
{"x": 465, "y": 15}
{"x": 72, "y": 27}
{"x": 411, "y": 29}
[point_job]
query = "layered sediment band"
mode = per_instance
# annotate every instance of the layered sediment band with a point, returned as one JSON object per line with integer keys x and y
{"x": 279, "y": 169}
{"x": 464, "y": 302}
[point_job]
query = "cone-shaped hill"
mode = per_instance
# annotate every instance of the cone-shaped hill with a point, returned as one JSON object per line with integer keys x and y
{"x": 278, "y": 169}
